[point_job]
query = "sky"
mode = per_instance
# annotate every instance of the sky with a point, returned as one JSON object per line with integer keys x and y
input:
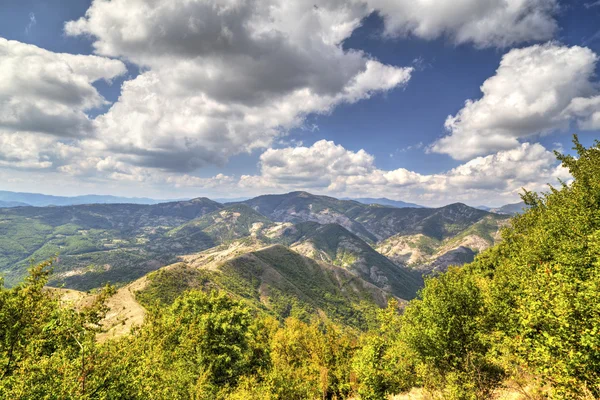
{"x": 414, "y": 100}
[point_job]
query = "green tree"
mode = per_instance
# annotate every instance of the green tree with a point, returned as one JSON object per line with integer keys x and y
{"x": 381, "y": 363}
{"x": 197, "y": 348}
{"x": 544, "y": 279}
{"x": 48, "y": 350}
{"x": 444, "y": 331}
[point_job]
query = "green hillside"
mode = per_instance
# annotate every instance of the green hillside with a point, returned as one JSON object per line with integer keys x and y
{"x": 111, "y": 242}
{"x": 336, "y": 245}
{"x": 372, "y": 223}
{"x": 279, "y": 281}
{"x": 299, "y": 207}
{"x": 118, "y": 243}
{"x": 427, "y": 254}
{"x": 229, "y": 223}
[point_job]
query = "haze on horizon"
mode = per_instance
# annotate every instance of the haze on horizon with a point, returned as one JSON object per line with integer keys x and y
{"x": 457, "y": 102}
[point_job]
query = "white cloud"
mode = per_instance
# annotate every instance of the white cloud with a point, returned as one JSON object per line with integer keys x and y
{"x": 228, "y": 77}
{"x": 225, "y": 77}
{"x": 536, "y": 90}
{"x": 486, "y": 23}
{"x": 42, "y": 91}
{"x": 219, "y": 78}
{"x": 587, "y": 112}
{"x": 327, "y": 167}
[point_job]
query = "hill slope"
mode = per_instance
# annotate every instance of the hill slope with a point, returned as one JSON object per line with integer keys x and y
{"x": 335, "y": 245}
{"x": 511, "y": 209}
{"x": 110, "y": 242}
{"x": 428, "y": 253}
{"x": 9, "y": 204}
{"x": 274, "y": 279}
{"x": 229, "y": 223}
{"x": 372, "y": 223}
{"x": 298, "y": 207}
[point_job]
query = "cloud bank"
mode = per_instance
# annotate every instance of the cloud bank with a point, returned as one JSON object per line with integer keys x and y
{"x": 220, "y": 78}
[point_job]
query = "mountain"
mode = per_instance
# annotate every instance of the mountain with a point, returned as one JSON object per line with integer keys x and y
{"x": 382, "y": 201}
{"x": 9, "y": 204}
{"x": 372, "y": 223}
{"x": 228, "y": 223}
{"x": 275, "y": 279}
{"x": 437, "y": 223}
{"x": 334, "y": 244}
{"x": 119, "y": 243}
{"x": 231, "y": 200}
{"x": 298, "y": 207}
{"x": 43, "y": 200}
{"x": 428, "y": 253}
{"x": 510, "y": 209}
{"x": 96, "y": 243}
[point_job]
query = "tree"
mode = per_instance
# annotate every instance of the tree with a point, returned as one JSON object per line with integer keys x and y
{"x": 444, "y": 332}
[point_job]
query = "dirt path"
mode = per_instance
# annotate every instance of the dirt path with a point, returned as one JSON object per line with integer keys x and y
{"x": 125, "y": 312}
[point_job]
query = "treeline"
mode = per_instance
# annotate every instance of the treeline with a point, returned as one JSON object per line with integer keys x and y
{"x": 526, "y": 311}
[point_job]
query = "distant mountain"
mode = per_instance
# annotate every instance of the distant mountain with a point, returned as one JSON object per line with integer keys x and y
{"x": 43, "y": 200}
{"x": 9, "y": 204}
{"x": 96, "y": 243}
{"x": 372, "y": 223}
{"x": 438, "y": 223}
{"x": 298, "y": 207}
{"x": 385, "y": 202}
{"x": 228, "y": 223}
{"x": 484, "y": 208}
{"x": 511, "y": 209}
{"x": 428, "y": 253}
{"x": 230, "y": 200}
{"x": 277, "y": 280}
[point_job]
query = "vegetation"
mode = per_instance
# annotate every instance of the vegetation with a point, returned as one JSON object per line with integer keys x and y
{"x": 278, "y": 282}
{"x": 527, "y": 307}
{"x": 526, "y": 310}
{"x": 334, "y": 244}
{"x": 121, "y": 241}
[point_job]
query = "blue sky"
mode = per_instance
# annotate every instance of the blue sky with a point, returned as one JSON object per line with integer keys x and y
{"x": 302, "y": 125}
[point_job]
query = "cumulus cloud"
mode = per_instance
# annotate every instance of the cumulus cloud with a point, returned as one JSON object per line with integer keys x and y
{"x": 44, "y": 100}
{"x": 489, "y": 23}
{"x": 328, "y": 167}
{"x": 219, "y": 78}
{"x": 536, "y": 90}
{"x": 231, "y": 76}
{"x": 46, "y": 92}
{"x": 226, "y": 77}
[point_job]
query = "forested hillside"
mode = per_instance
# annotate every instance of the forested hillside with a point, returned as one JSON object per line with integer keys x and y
{"x": 523, "y": 317}
{"x": 118, "y": 243}
{"x": 97, "y": 243}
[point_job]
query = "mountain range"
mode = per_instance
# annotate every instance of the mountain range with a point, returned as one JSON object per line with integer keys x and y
{"x": 18, "y": 199}
{"x": 382, "y": 201}
{"x": 268, "y": 250}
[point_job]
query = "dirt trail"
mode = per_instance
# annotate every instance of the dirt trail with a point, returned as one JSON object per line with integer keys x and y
{"x": 125, "y": 312}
